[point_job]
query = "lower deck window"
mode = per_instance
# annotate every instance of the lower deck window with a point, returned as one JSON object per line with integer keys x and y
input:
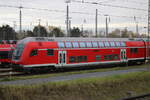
{"x": 111, "y": 57}
{"x": 72, "y": 59}
{"x": 116, "y": 57}
{"x": 84, "y": 58}
{"x": 98, "y": 57}
{"x": 106, "y": 57}
{"x": 50, "y": 52}
{"x": 79, "y": 59}
{"x": 134, "y": 50}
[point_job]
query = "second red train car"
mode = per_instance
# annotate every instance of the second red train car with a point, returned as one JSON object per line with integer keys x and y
{"x": 40, "y": 52}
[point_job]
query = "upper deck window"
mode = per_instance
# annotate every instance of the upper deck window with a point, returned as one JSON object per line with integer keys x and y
{"x": 112, "y": 44}
{"x": 95, "y": 44}
{"x": 75, "y": 44}
{"x": 61, "y": 45}
{"x": 101, "y": 44}
{"x": 106, "y": 44}
{"x": 68, "y": 45}
{"x": 123, "y": 44}
{"x": 89, "y": 44}
{"x": 82, "y": 44}
{"x": 118, "y": 44}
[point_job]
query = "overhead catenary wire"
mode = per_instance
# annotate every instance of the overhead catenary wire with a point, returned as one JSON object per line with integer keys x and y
{"x": 127, "y": 1}
{"x": 109, "y": 5}
{"x": 135, "y": 2}
{"x": 63, "y": 11}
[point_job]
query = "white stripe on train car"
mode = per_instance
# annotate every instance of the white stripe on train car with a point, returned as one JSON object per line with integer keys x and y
{"x": 37, "y": 65}
{"x": 136, "y": 58}
{"x": 91, "y": 63}
{"x": 81, "y": 64}
{"x": 4, "y": 48}
{"x": 58, "y": 65}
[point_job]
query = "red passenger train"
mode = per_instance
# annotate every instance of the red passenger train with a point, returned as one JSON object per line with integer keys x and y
{"x": 6, "y": 49}
{"x": 42, "y": 52}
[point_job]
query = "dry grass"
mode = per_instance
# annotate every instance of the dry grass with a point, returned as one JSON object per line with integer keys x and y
{"x": 107, "y": 88}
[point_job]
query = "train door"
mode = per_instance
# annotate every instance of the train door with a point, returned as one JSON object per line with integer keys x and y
{"x": 62, "y": 58}
{"x": 123, "y": 55}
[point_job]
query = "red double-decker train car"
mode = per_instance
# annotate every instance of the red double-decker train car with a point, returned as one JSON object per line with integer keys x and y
{"x": 6, "y": 49}
{"x": 41, "y": 52}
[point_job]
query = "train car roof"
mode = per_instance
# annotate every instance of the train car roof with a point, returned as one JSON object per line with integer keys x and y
{"x": 57, "y": 39}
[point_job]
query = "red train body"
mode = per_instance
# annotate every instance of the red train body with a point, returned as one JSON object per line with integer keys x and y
{"x": 6, "y": 49}
{"x": 34, "y": 53}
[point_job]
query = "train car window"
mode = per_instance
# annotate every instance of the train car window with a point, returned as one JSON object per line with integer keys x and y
{"x": 18, "y": 51}
{"x": 95, "y": 44}
{"x": 84, "y": 58}
{"x": 106, "y": 57}
{"x": 89, "y": 44}
{"x": 0, "y": 41}
{"x": 112, "y": 44}
{"x": 14, "y": 42}
{"x": 106, "y": 44}
{"x": 82, "y": 44}
{"x": 68, "y": 45}
{"x": 118, "y": 44}
{"x": 72, "y": 59}
{"x": 110, "y": 57}
{"x": 50, "y": 52}
{"x": 98, "y": 57}
{"x": 134, "y": 50}
{"x": 34, "y": 52}
{"x": 75, "y": 44}
{"x": 4, "y": 54}
{"x": 7, "y": 41}
{"x": 116, "y": 57}
{"x": 123, "y": 44}
{"x": 101, "y": 44}
{"x": 61, "y": 45}
{"x": 79, "y": 58}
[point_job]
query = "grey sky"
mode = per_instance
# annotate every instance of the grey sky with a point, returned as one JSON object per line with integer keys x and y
{"x": 8, "y": 15}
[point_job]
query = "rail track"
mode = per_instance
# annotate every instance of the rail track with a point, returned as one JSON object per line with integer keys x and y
{"x": 6, "y": 72}
{"x": 140, "y": 97}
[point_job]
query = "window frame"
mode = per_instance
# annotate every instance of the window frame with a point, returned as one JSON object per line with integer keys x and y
{"x": 123, "y": 44}
{"x": 87, "y": 44}
{"x": 72, "y": 59}
{"x": 118, "y": 42}
{"x": 60, "y": 46}
{"x": 112, "y": 44}
{"x": 33, "y": 51}
{"x": 95, "y": 46}
{"x": 75, "y": 44}
{"x": 101, "y": 44}
{"x": 106, "y": 44}
{"x": 81, "y": 46}
{"x": 68, "y": 46}
{"x": 97, "y": 57}
{"x": 50, "y": 54}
